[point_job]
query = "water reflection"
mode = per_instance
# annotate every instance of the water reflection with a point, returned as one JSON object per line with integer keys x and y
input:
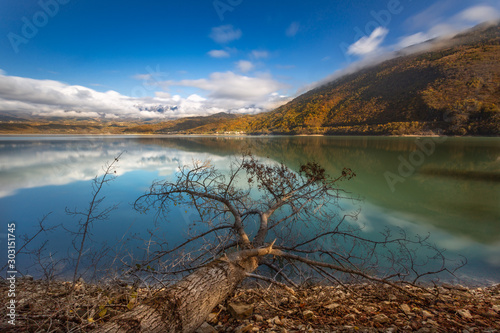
{"x": 454, "y": 193}
{"x": 465, "y": 207}
{"x": 30, "y": 164}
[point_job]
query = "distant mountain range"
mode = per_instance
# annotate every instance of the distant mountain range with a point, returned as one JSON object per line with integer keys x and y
{"x": 444, "y": 87}
{"x": 183, "y": 124}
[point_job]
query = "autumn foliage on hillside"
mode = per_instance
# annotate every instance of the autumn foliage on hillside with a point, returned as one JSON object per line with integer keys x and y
{"x": 454, "y": 89}
{"x": 451, "y": 88}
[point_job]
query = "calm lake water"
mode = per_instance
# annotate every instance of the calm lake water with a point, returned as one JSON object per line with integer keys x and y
{"x": 448, "y": 187}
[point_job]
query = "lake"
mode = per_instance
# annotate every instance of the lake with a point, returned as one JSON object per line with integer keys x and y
{"x": 448, "y": 187}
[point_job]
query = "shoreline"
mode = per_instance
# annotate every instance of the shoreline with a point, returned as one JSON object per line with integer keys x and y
{"x": 6, "y": 135}
{"x": 359, "y": 307}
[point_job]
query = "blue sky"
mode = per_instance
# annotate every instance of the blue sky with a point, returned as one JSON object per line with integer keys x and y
{"x": 114, "y": 59}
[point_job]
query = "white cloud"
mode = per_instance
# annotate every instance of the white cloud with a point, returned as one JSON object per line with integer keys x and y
{"x": 73, "y": 114}
{"x": 225, "y": 34}
{"x": 219, "y": 54}
{"x": 245, "y": 66}
{"x": 232, "y": 91}
{"x": 292, "y": 29}
{"x": 368, "y": 44}
{"x": 259, "y": 54}
{"x": 438, "y": 17}
{"x": 412, "y": 40}
{"x": 226, "y": 92}
{"x": 432, "y": 15}
{"x": 162, "y": 95}
{"x": 479, "y": 14}
{"x": 351, "y": 68}
{"x": 435, "y": 25}
{"x": 48, "y": 165}
{"x": 17, "y": 93}
{"x": 440, "y": 28}
{"x": 443, "y": 30}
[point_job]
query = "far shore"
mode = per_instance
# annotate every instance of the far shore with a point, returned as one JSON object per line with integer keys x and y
{"x": 231, "y": 135}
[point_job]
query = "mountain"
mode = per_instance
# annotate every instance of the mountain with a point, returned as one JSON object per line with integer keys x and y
{"x": 446, "y": 86}
{"x": 453, "y": 87}
{"x": 6, "y": 117}
{"x": 182, "y": 124}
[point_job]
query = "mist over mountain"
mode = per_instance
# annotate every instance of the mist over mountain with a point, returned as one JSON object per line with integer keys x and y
{"x": 452, "y": 87}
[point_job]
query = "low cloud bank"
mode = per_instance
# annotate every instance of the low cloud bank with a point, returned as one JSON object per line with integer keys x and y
{"x": 225, "y": 92}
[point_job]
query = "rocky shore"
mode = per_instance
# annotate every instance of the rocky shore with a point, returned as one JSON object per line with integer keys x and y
{"x": 44, "y": 307}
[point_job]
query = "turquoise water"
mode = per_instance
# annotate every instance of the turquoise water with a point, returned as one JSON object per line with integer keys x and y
{"x": 448, "y": 187}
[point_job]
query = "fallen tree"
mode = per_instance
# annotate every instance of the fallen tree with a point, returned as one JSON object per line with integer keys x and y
{"x": 260, "y": 218}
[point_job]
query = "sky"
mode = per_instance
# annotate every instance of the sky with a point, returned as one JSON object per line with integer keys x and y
{"x": 170, "y": 59}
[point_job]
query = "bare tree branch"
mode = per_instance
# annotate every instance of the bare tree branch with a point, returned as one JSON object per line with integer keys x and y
{"x": 245, "y": 208}
{"x": 93, "y": 213}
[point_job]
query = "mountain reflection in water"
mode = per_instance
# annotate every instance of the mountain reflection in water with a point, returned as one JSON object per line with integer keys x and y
{"x": 454, "y": 193}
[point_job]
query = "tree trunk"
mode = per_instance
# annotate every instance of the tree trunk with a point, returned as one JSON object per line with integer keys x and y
{"x": 184, "y": 306}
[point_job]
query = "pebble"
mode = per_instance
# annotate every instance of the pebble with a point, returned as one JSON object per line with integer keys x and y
{"x": 432, "y": 322}
{"x": 381, "y": 318}
{"x": 464, "y": 313}
{"x": 350, "y": 316}
{"x": 406, "y": 309}
{"x": 258, "y": 318}
{"x": 331, "y": 306}
{"x": 370, "y": 309}
{"x": 308, "y": 314}
{"x": 240, "y": 310}
{"x": 426, "y": 314}
{"x": 277, "y": 321}
{"x": 356, "y": 310}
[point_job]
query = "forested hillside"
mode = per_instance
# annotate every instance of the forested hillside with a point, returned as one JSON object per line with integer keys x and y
{"x": 454, "y": 89}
